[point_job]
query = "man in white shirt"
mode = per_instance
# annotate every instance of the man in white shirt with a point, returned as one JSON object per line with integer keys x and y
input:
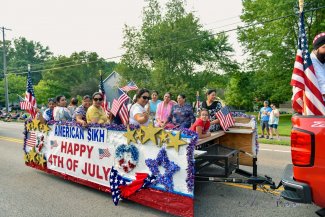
{"x": 318, "y": 59}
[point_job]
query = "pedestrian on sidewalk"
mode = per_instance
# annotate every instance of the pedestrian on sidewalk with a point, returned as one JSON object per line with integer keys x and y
{"x": 263, "y": 116}
{"x": 274, "y": 122}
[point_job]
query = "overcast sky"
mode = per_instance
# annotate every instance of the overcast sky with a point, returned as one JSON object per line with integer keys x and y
{"x": 75, "y": 25}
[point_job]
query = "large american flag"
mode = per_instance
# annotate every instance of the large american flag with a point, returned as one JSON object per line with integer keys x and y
{"x": 119, "y": 106}
{"x": 120, "y": 188}
{"x": 225, "y": 118}
{"x": 103, "y": 152}
{"x": 307, "y": 98}
{"x": 115, "y": 181}
{"x": 31, "y": 139}
{"x": 130, "y": 86}
{"x": 29, "y": 103}
{"x": 102, "y": 91}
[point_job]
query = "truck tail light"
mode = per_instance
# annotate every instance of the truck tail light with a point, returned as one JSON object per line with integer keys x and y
{"x": 302, "y": 148}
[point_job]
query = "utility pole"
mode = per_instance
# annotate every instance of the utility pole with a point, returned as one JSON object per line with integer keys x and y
{"x": 5, "y": 67}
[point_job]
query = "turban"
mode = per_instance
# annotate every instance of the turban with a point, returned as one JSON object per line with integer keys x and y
{"x": 319, "y": 40}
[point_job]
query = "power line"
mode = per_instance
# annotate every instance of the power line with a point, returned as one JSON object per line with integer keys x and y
{"x": 180, "y": 42}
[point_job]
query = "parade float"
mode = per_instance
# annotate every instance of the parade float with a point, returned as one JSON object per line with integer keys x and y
{"x": 148, "y": 165}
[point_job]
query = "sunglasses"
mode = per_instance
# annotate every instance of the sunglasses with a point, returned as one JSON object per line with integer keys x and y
{"x": 98, "y": 99}
{"x": 145, "y": 97}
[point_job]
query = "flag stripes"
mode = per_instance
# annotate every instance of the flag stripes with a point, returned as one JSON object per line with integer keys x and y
{"x": 103, "y": 153}
{"x": 225, "y": 118}
{"x": 31, "y": 139}
{"x": 29, "y": 103}
{"x": 306, "y": 98}
{"x": 130, "y": 86}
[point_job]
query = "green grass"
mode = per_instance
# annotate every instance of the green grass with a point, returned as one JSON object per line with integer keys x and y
{"x": 284, "y": 127}
{"x": 274, "y": 142}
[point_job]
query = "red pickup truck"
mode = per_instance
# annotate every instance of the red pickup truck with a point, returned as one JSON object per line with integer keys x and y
{"x": 304, "y": 179}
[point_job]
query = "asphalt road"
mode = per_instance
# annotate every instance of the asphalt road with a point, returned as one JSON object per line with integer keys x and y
{"x": 27, "y": 192}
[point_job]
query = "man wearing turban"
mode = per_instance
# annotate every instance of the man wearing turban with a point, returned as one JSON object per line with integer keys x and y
{"x": 318, "y": 59}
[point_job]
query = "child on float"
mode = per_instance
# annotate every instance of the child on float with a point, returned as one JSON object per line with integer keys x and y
{"x": 202, "y": 124}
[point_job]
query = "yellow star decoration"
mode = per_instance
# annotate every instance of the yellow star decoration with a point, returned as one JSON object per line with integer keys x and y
{"x": 41, "y": 160}
{"x": 35, "y": 123}
{"x": 32, "y": 155}
{"x": 130, "y": 135}
{"x": 44, "y": 128}
{"x": 139, "y": 135}
{"x": 29, "y": 126}
{"x": 150, "y": 133}
{"x": 163, "y": 137}
{"x": 26, "y": 158}
{"x": 175, "y": 141}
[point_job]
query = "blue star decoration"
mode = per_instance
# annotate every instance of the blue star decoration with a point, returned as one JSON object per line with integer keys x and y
{"x": 115, "y": 181}
{"x": 169, "y": 166}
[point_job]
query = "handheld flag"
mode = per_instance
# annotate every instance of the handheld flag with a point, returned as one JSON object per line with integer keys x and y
{"x": 307, "y": 98}
{"x": 29, "y": 103}
{"x": 225, "y": 118}
{"x": 119, "y": 107}
{"x": 130, "y": 86}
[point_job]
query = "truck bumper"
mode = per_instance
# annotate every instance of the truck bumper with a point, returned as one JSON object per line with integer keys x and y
{"x": 294, "y": 191}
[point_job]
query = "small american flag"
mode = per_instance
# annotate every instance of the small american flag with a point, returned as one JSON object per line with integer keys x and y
{"x": 306, "y": 98}
{"x": 103, "y": 153}
{"x": 29, "y": 103}
{"x": 31, "y": 139}
{"x": 119, "y": 106}
{"x": 130, "y": 86}
{"x": 225, "y": 118}
{"x": 115, "y": 107}
{"x": 124, "y": 114}
{"x": 102, "y": 91}
{"x": 54, "y": 144}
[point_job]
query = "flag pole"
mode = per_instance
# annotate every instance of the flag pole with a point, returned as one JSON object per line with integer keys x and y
{"x": 301, "y": 9}
{"x": 301, "y": 5}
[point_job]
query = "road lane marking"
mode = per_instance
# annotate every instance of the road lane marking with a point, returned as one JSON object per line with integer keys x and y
{"x": 20, "y": 141}
{"x": 267, "y": 149}
{"x": 250, "y": 187}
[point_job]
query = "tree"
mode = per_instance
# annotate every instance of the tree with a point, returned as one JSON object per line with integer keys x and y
{"x": 172, "y": 52}
{"x": 72, "y": 76}
{"x": 21, "y": 52}
{"x": 272, "y": 45}
{"x": 16, "y": 85}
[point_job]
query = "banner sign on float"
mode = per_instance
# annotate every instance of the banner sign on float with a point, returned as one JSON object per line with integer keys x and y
{"x": 77, "y": 152}
{"x": 145, "y": 157}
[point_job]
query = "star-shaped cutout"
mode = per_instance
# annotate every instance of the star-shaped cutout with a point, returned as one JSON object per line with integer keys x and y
{"x": 44, "y": 128}
{"x": 163, "y": 137}
{"x": 41, "y": 160}
{"x": 150, "y": 133}
{"x": 32, "y": 155}
{"x": 175, "y": 141}
{"x": 29, "y": 126}
{"x": 139, "y": 135}
{"x": 35, "y": 123}
{"x": 130, "y": 135}
{"x": 26, "y": 158}
{"x": 170, "y": 167}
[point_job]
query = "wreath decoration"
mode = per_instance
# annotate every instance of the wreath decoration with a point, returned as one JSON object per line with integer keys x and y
{"x": 127, "y": 157}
